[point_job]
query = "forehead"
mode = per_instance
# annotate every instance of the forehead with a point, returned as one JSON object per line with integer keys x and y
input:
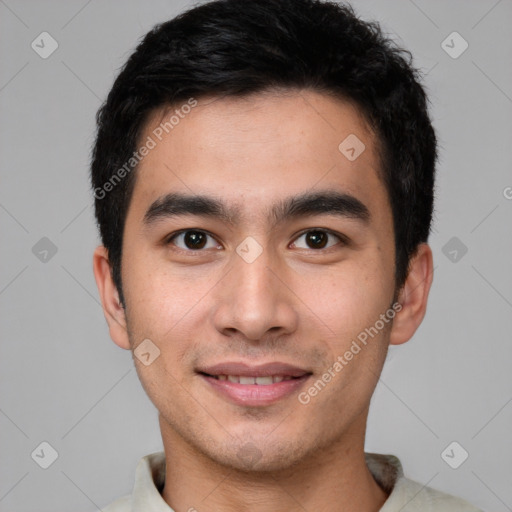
{"x": 256, "y": 150}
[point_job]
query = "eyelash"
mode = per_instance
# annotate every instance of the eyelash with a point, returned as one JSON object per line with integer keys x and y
{"x": 343, "y": 239}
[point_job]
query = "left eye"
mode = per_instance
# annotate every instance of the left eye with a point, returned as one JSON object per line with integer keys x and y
{"x": 317, "y": 239}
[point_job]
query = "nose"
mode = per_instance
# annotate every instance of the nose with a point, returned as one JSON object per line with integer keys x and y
{"x": 254, "y": 301}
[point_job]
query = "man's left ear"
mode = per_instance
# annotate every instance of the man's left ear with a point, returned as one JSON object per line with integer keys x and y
{"x": 413, "y": 296}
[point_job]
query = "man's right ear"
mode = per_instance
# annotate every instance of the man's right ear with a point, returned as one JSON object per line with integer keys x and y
{"x": 112, "y": 308}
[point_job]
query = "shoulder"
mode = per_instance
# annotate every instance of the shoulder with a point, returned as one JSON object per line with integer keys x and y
{"x": 415, "y": 497}
{"x": 123, "y": 504}
{"x": 406, "y": 495}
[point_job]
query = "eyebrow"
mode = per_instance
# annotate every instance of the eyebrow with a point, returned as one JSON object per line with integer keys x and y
{"x": 326, "y": 202}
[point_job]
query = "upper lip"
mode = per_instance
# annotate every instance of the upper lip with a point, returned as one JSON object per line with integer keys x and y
{"x": 245, "y": 370}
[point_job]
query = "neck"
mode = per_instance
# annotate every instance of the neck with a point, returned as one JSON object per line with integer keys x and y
{"x": 333, "y": 480}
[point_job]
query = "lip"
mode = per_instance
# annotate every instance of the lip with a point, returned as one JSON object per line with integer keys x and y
{"x": 262, "y": 370}
{"x": 254, "y": 395}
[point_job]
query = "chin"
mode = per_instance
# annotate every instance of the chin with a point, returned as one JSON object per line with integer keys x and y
{"x": 247, "y": 457}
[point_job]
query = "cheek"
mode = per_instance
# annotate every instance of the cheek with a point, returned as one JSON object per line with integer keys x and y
{"x": 164, "y": 304}
{"x": 154, "y": 303}
{"x": 348, "y": 298}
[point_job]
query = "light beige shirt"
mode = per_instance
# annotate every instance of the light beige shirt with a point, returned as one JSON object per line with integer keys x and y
{"x": 405, "y": 495}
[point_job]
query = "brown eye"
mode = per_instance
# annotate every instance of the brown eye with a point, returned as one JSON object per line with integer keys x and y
{"x": 192, "y": 240}
{"x": 317, "y": 239}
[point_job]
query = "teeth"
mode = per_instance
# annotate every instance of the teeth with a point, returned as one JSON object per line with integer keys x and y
{"x": 261, "y": 381}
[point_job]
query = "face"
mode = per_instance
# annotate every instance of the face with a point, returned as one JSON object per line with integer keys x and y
{"x": 262, "y": 278}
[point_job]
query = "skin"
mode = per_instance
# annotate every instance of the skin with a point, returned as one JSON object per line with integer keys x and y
{"x": 295, "y": 303}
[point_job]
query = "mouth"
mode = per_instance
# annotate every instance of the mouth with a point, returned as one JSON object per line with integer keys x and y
{"x": 254, "y": 385}
{"x": 259, "y": 381}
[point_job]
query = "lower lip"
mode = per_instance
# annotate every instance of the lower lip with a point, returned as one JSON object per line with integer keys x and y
{"x": 255, "y": 394}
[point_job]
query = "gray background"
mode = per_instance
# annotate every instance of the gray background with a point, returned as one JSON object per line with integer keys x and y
{"x": 64, "y": 381}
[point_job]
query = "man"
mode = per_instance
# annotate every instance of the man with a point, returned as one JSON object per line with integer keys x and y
{"x": 263, "y": 175}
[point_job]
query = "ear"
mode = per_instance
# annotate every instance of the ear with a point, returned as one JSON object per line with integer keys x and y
{"x": 112, "y": 308}
{"x": 413, "y": 296}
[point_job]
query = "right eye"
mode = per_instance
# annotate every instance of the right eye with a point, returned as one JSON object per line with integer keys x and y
{"x": 191, "y": 240}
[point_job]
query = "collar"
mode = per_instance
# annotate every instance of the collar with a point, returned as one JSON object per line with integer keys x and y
{"x": 150, "y": 479}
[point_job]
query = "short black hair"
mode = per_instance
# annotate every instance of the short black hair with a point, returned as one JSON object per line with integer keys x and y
{"x": 242, "y": 47}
